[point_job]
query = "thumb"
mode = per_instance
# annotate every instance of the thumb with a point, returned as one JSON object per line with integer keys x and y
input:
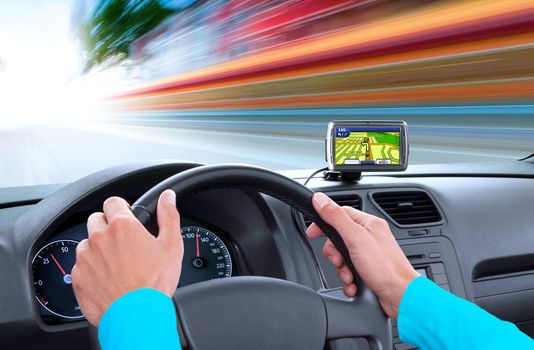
{"x": 337, "y": 217}
{"x": 168, "y": 216}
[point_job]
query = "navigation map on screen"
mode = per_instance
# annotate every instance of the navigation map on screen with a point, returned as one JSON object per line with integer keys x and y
{"x": 367, "y": 146}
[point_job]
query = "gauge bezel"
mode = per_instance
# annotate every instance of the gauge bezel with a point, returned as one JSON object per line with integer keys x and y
{"x": 231, "y": 245}
{"x": 222, "y": 241}
{"x": 33, "y": 279}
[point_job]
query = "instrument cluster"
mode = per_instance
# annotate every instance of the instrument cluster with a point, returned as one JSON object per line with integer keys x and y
{"x": 208, "y": 254}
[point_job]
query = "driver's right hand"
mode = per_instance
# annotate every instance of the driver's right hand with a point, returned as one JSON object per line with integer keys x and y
{"x": 373, "y": 250}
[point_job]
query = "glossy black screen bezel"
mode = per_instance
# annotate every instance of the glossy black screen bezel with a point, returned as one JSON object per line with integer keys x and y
{"x": 330, "y": 145}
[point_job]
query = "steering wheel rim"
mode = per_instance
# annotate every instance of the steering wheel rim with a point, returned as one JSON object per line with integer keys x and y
{"x": 328, "y": 314}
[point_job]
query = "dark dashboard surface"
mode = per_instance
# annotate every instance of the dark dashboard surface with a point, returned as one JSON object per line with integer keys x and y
{"x": 473, "y": 236}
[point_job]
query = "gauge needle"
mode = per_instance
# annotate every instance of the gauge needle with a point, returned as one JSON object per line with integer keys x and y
{"x": 198, "y": 246}
{"x": 57, "y": 263}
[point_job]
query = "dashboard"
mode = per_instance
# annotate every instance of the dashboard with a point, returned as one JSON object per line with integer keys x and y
{"x": 470, "y": 232}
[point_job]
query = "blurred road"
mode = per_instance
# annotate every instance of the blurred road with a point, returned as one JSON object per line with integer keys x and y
{"x": 288, "y": 139}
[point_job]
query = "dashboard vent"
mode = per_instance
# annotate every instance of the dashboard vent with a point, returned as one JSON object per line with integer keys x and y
{"x": 408, "y": 207}
{"x": 349, "y": 200}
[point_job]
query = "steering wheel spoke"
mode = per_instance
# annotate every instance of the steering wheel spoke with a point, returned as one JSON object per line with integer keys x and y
{"x": 341, "y": 313}
{"x": 247, "y": 312}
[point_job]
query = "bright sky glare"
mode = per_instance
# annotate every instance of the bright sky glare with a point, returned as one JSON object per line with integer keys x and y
{"x": 40, "y": 82}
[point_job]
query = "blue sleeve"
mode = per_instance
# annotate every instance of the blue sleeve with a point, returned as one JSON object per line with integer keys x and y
{"x": 432, "y": 318}
{"x": 141, "y": 319}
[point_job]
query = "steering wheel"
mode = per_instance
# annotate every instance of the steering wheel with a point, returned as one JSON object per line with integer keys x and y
{"x": 260, "y": 312}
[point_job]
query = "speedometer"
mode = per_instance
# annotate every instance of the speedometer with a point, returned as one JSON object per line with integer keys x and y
{"x": 52, "y": 282}
{"x": 205, "y": 256}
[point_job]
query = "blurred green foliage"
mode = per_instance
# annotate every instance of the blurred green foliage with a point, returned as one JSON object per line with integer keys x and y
{"x": 114, "y": 25}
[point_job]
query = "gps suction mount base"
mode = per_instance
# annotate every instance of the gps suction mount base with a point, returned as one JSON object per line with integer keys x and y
{"x": 345, "y": 176}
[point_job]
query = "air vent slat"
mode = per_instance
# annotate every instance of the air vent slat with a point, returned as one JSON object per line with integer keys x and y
{"x": 416, "y": 197}
{"x": 408, "y": 207}
{"x": 422, "y": 217}
{"x": 396, "y": 202}
{"x": 412, "y": 214}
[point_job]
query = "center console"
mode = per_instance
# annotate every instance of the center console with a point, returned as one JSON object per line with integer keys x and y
{"x": 435, "y": 259}
{"x": 430, "y": 253}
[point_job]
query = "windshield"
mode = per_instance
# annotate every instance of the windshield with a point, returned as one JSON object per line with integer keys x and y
{"x": 89, "y": 84}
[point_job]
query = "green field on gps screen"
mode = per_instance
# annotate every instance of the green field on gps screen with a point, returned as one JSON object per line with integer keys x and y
{"x": 387, "y": 138}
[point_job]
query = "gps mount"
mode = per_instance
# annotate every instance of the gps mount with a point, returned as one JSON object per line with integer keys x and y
{"x": 345, "y": 176}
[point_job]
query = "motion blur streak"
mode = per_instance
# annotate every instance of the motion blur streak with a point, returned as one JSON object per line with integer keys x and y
{"x": 445, "y": 52}
{"x": 296, "y": 136}
{"x": 255, "y": 80}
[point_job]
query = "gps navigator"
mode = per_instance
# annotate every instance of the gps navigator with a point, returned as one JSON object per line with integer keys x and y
{"x": 356, "y": 146}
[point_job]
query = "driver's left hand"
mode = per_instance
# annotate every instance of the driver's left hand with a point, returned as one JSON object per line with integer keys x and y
{"x": 120, "y": 255}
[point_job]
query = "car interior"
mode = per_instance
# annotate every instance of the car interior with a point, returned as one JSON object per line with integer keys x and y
{"x": 417, "y": 112}
{"x": 469, "y": 230}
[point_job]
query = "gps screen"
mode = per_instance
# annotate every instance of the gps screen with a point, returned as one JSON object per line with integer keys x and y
{"x": 367, "y": 145}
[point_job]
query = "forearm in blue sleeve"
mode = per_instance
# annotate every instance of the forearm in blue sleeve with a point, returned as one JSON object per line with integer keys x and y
{"x": 141, "y": 319}
{"x": 432, "y": 318}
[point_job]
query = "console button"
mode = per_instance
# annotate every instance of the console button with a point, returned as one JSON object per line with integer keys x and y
{"x": 440, "y": 278}
{"x": 418, "y": 232}
{"x": 437, "y": 268}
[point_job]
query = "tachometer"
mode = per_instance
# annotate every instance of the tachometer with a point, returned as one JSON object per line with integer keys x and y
{"x": 205, "y": 256}
{"x": 51, "y": 268}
